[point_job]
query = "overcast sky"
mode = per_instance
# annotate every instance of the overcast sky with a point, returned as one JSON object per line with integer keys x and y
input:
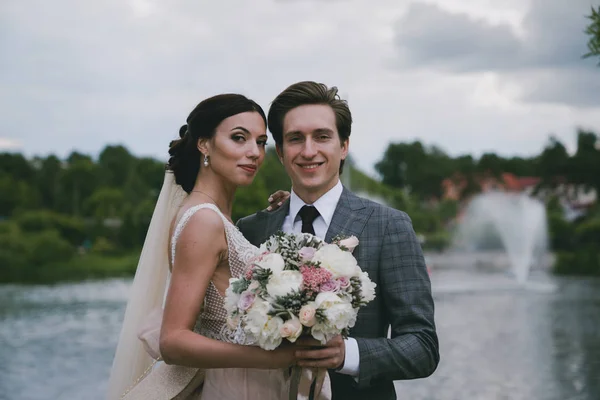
{"x": 469, "y": 76}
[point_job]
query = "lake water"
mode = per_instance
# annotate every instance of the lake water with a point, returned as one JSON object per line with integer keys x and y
{"x": 497, "y": 341}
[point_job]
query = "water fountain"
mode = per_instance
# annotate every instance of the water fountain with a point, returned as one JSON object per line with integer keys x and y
{"x": 518, "y": 220}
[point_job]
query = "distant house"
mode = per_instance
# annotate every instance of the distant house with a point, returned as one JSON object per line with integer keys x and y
{"x": 454, "y": 187}
{"x": 574, "y": 198}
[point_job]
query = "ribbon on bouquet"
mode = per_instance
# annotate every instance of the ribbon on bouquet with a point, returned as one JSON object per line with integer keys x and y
{"x": 303, "y": 380}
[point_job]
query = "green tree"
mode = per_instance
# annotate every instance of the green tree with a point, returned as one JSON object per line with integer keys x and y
{"x": 16, "y": 195}
{"x": 136, "y": 221}
{"x": 491, "y": 163}
{"x": 415, "y": 168}
{"x": 17, "y": 166}
{"x": 585, "y": 164}
{"x": 78, "y": 182}
{"x": 48, "y": 175}
{"x": 13, "y": 253}
{"x": 73, "y": 229}
{"x": 553, "y": 163}
{"x": 520, "y": 166}
{"x": 105, "y": 203}
{"x": 593, "y": 31}
{"x": 115, "y": 164}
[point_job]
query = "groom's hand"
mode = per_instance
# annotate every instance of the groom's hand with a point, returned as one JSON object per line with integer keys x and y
{"x": 277, "y": 199}
{"x": 332, "y": 355}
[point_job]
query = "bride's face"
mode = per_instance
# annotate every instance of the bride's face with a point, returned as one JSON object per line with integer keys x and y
{"x": 238, "y": 148}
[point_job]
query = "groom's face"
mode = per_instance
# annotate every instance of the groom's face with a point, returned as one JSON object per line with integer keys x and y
{"x": 311, "y": 151}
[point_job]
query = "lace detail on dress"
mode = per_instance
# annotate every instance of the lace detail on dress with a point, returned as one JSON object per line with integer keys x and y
{"x": 212, "y": 321}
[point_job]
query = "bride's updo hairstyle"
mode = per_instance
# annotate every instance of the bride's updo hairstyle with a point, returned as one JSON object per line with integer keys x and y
{"x": 185, "y": 158}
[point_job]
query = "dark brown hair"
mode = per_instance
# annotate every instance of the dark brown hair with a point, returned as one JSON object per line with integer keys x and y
{"x": 202, "y": 123}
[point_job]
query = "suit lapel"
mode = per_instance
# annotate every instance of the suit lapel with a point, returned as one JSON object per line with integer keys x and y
{"x": 349, "y": 218}
{"x": 273, "y": 221}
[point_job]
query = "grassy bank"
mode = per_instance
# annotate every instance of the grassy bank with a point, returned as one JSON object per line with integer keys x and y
{"x": 82, "y": 267}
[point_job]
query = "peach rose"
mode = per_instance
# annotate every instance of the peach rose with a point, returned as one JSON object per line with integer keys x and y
{"x": 307, "y": 315}
{"x": 291, "y": 329}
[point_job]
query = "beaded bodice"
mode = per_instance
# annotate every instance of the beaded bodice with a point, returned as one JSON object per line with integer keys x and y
{"x": 212, "y": 320}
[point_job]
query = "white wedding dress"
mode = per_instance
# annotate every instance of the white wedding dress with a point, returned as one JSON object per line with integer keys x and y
{"x": 230, "y": 383}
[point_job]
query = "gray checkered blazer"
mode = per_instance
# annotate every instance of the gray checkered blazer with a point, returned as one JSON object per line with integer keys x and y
{"x": 390, "y": 253}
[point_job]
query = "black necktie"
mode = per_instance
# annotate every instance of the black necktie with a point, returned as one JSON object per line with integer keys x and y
{"x": 308, "y": 215}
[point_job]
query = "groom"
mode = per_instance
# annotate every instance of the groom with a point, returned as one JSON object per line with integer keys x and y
{"x": 311, "y": 128}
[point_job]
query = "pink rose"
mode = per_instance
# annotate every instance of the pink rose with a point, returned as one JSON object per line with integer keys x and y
{"x": 246, "y": 300}
{"x": 350, "y": 243}
{"x": 331, "y": 285}
{"x": 344, "y": 282}
{"x": 291, "y": 329}
{"x": 307, "y": 315}
{"x": 249, "y": 274}
{"x": 307, "y": 253}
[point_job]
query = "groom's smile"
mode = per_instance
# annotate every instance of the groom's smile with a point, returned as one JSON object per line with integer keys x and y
{"x": 311, "y": 166}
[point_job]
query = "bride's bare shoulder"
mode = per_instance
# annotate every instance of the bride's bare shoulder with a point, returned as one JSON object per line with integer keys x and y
{"x": 202, "y": 224}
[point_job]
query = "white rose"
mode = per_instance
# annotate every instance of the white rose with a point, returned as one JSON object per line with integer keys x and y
{"x": 256, "y": 317}
{"x": 367, "y": 287}
{"x": 272, "y": 261}
{"x": 270, "y": 337}
{"x": 326, "y": 299}
{"x": 261, "y": 327}
{"x": 323, "y": 332}
{"x": 231, "y": 298}
{"x": 335, "y": 260}
{"x": 339, "y": 312}
{"x": 291, "y": 329}
{"x": 233, "y": 322}
{"x": 284, "y": 283}
{"x": 350, "y": 243}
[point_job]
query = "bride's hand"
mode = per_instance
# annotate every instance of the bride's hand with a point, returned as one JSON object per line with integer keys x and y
{"x": 277, "y": 199}
{"x": 284, "y": 356}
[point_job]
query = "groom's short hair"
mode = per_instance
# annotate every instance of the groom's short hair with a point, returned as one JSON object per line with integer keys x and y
{"x": 309, "y": 92}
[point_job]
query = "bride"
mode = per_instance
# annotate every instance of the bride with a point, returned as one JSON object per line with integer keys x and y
{"x": 221, "y": 147}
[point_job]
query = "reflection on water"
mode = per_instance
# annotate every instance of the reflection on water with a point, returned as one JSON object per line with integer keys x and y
{"x": 510, "y": 343}
{"x": 496, "y": 343}
{"x": 58, "y": 342}
{"x": 576, "y": 340}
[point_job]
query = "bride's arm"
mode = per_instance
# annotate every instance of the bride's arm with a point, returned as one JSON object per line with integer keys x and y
{"x": 197, "y": 255}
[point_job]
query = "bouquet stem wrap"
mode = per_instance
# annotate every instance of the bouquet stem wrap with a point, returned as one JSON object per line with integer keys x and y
{"x": 305, "y": 379}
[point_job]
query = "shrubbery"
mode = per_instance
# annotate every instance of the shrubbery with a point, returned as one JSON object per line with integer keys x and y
{"x": 576, "y": 243}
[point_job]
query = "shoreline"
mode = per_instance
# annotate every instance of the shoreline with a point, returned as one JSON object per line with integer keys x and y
{"x": 82, "y": 268}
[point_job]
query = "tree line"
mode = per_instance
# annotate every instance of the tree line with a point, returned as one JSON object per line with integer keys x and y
{"x": 85, "y": 217}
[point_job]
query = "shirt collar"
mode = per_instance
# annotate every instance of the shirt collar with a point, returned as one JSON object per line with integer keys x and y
{"x": 325, "y": 204}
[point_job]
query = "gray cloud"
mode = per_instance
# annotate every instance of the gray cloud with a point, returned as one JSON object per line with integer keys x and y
{"x": 545, "y": 58}
{"x": 430, "y": 35}
{"x": 79, "y": 75}
{"x": 577, "y": 87}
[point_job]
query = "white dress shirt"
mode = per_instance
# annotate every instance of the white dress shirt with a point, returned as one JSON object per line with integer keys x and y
{"x": 326, "y": 205}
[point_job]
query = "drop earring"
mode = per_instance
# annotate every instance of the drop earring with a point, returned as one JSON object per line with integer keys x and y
{"x": 206, "y": 161}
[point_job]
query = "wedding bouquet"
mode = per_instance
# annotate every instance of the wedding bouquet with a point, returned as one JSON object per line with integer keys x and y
{"x": 298, "y": 285}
